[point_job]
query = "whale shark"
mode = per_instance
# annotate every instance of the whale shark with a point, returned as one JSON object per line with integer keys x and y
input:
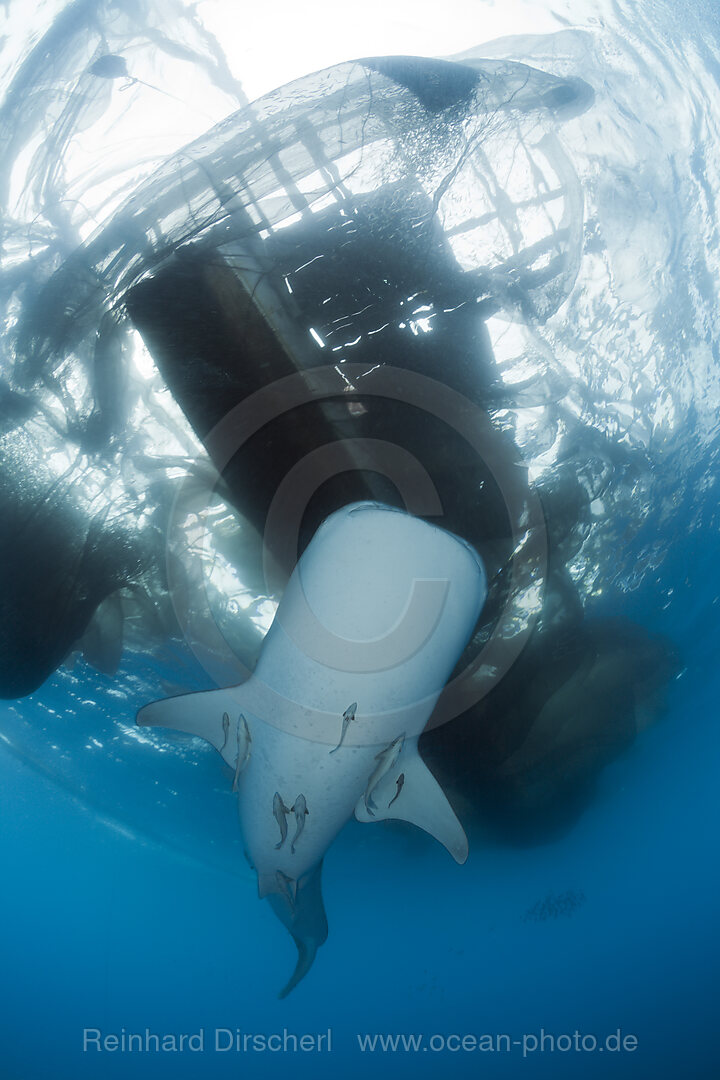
{"x": 372, "y": 623}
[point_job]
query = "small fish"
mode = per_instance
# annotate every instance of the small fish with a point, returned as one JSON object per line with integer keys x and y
{"x": 226, "y": 729}
{"x": 347, "y": 716}
{"x": 288, "y": 887}
{"x": 400, "y": 781}
{"x": 386, "y": 760}
{"x": 300, "y": 810}
{"x": 279, "y": 812}
{"x": 243, "y": 748}
{"x": 110, "y": 66}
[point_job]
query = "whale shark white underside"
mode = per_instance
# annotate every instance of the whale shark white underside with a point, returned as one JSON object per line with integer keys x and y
{"x": 374, "y": 618}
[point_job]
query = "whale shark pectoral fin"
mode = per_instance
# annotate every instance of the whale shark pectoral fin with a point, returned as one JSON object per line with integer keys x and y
{"x": 196, "y": 714}
{"x": 421, "y": 802}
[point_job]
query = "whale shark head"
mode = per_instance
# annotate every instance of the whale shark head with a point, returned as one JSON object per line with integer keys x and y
{"x": 374, "y": 618}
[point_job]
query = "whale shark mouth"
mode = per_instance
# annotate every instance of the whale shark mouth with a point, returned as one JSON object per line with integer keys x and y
{"x": 166, "y": 257}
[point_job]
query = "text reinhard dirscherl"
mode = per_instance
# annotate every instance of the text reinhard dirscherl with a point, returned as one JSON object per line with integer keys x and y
{"x": 223, "y": 1040}
{"x": 218, "y": 1040}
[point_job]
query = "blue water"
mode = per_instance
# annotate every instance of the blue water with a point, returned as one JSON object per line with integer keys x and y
{"x": 103, "y": 932}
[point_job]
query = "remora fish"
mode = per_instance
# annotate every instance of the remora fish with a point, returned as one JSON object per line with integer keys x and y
{"x": 386, "y": 760}
{"x": 243, "y": 749}
{"x": 279, "y": 812}
{"x": 389, "y": 633}
{"x": 299, "y": 808}
{"x": 400, "y": 781}
{"x": 226, "y": 729}
{"x": 347, "y": 717}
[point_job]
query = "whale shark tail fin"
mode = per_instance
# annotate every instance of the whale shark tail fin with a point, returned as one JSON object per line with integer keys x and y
{"x": 306, "y": 955}
{"x": 410, "y": 792}
{"x": 196, "y": 714}
{"x": 306, "y": 920}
